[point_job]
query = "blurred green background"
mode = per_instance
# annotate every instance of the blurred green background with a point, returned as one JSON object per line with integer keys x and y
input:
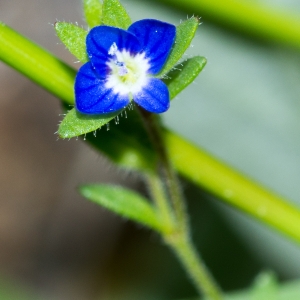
{"x": 244, "y": 108}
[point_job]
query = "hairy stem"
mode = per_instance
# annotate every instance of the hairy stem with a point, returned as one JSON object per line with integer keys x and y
{"x": 173, "y": 185}
{"x": 161, "y": 201}
{"x": 178, "y": 239}
{"x": 195, "y": 267}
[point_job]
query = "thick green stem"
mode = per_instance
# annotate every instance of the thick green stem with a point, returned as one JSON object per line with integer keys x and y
{"x": 233, "y": 188}
{"x": 247, "y": 17}
{"x": 37, "y": 64}
{"x": 194, "y": 266}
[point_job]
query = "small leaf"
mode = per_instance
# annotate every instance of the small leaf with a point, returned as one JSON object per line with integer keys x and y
{"x": 73, "y": 37}
{"x": 185, "y": 33}
{"x": 92, "y": 12}
{"x": 124, "y": 202}
{"x": 75, "y": 124}
{"x": 114, "y": 14}
{"x": 184, "y": 74}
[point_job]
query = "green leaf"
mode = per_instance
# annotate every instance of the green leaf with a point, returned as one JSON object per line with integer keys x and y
{"x": 127, "y": 144}
{"x": 184, "y": 74}
{"x": 75, "y": 124}
{"x": 114, "y": 14}
{"x": 185, "y": 33}
{"x": 73, "y": 37}
{"x": 124, "y": 202}
{"x": 92, "y": 12}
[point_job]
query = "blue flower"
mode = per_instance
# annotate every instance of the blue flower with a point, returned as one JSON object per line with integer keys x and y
{"x": 122, "y": 67}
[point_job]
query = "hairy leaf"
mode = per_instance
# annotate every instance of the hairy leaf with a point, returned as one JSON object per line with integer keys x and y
{"x": 92, "y": 12}
{"x": 75, "y": 124}
{"x": 114, "y": 14}
{"x": 184, "y": 74}
{"x": 73, "y": 37}
{"x": 123, "y": 202}
{"x": 185, "y": 32}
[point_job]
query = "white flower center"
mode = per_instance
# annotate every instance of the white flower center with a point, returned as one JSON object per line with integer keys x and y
{"x": 128, "y": 73}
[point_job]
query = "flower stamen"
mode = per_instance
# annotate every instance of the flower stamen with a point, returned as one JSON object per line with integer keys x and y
{"x": 128, "y": 72}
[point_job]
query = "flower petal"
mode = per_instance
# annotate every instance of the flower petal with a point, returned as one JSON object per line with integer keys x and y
{"x": 156, "y": 39}
{"x": 100, "y": 40}
{"x": 92, "y": 96}
{"x": 154, "y": 97}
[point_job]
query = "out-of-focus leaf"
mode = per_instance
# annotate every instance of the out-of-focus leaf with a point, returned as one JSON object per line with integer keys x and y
{"x": 123, "y": 202}
{"x": 92, "y": 12}
{"x": 185, "y": 33}
{"x": 73, "y": 37}
{"x": 114, "y": 14}
{"x": 75, "y": 124}
{"x": 127, "y": 144}
{"x": 184, "y": 74}
{"x": 265, "y": 287}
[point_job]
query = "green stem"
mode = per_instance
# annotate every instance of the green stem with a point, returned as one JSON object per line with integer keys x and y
{"x": 194, "y": 266}
{"x": 247, "y": 17}
{"x": 37, "y": 64}
{"x": 159, "y": 196}
{"x": 178, "y": 238}
{"x": 154, "y": 130}
{"x": 233, "y": 188}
